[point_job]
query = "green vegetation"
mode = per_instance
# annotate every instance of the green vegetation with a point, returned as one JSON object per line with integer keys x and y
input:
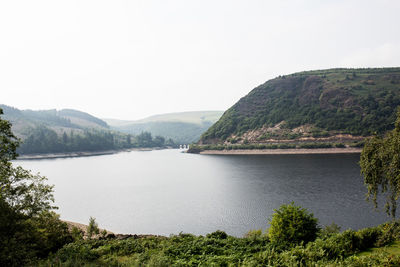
{"x": 380, "y": 166}
{"x": 180, "y": 132}
{"x": 51, "y": 131}
{"x": 325, "y": 247}
{"x": 92, "y": 228}
{"x": 353, "y": 101}
{"x": 293, "y": 225}
{"x": 29, "y": 229}
{"x": 45, "y": 140}
{"x": 198, "y": 148}
{"x": 32, "y": 234}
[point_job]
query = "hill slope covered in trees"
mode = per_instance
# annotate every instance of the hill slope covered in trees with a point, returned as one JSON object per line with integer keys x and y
{"x": 311, "y": 105}
{"x": 67, "y": 130}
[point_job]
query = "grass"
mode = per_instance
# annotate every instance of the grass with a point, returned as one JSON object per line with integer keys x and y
{"x": 392, "y": 249}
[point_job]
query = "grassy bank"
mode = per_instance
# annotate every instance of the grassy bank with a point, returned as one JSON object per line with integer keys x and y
{"x": 376, "y": 246}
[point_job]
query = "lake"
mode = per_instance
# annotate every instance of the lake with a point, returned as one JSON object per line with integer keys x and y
{"x": 167, "y": 192}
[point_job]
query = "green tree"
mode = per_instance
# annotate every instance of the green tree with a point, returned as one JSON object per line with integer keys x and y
{"x": 8, "y": 141}
{"x": 159, "y": 141}
{"x": 93, "y": 228}
{"x": 380, "y": 166}
{"x": 28, "y": 227}
{"x": 144, "y": 139}
{"x": 292, "y": 224}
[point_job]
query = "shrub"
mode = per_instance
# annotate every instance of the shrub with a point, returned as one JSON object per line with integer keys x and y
{"x": 390, "y": 232}
{"x": 340, "y": 145}
{"x": 316, "y": 145}
{"x": 286, "y": 146}
{"x": 329, "y": 230}
{"x": 254, "y": 235}
{"x": 218, "y": 235}
{"x": 92, "y": 228}
{"x": 293, "y": 224}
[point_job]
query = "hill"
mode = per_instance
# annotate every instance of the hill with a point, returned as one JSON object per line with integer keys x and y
{"x": 322, "y": 105}
{"x": 68, "y": 130}
{"x": 182, "y": 127}
{"x": 63, "y": 120}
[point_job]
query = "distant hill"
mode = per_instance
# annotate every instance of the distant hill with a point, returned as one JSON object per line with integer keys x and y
{"x": 63, "y": 120}
{"x": 182, "y": 127}
{"x": 82, "y": 119}
{"x": 312, "y": 104}
{"x": 68, "y": 130}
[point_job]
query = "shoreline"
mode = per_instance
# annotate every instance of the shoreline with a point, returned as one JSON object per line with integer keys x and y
{"x": 109, "y": 235}
{"x": 81, "y": 154}
{"x": 296, "y": 151}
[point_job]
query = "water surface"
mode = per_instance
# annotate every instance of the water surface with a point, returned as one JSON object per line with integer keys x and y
{"x": 167, "y": 192}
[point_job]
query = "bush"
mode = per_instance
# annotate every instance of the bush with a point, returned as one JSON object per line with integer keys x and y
{"x": 254, "y": 235}
{"x": 329, "y": 230}
{"x": 218, "y": 235}
{"x": 390, "y": 232}
{"x": 340, "y": 145}
{"x": 293, "y": 224}
{"x": 316, "y": 145}
{"x": 92, "y": 228}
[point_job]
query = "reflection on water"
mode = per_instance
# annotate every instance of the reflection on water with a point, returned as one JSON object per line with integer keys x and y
{"x": 164, "y": 192}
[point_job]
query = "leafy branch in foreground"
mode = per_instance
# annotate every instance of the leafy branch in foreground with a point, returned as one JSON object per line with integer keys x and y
{"x": 28, "y": 227}
{"x": 380, "y": 166}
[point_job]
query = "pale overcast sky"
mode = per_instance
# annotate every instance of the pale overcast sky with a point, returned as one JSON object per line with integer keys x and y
{"x": 132, "y": 59}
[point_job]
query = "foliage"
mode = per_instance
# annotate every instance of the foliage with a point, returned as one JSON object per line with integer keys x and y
{"x": 52, "y": 131}
{"x": 380, "y": 166}
{"x": 194, "y": 148}
{"x": 329, "y": 230}
{"x": 256, "y": 235}
{"x": 331, "y": 100}
{"x": 92, "y": 228}
{"x": 292, "y": 224}
{"x": 28, "y": 228}
{"x": 218, "y": 235}
{"x": 45, "y": 140}
{"x": 8, "y": 141}
{"x": 76, "y": 233}
{"x": 335, "y": 249}
{"x": 315, "y": 145}
{"x": 25, "y": 192}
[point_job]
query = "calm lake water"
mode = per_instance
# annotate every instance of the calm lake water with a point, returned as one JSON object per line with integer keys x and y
{"x": 167, "y": 192}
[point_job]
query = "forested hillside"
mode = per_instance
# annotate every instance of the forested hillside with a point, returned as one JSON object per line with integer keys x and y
{"x": 312, "y": 104}
{"x": 67, "y": 130}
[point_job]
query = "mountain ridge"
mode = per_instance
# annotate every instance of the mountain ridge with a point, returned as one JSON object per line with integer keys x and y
{"x": 358, "y": 102}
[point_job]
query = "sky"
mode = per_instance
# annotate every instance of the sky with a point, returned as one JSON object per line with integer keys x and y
{"x": 132, "y": 59}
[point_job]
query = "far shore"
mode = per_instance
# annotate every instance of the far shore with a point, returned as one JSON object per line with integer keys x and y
{"x": 81, "y": 154}
{"x": 347, "y": 150}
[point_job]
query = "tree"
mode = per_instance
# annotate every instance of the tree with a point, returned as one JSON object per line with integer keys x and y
{"x": 93, "y": 228}
{"x": 158, "y": 141}
{"x": 380, "y": 166}
{"x": 28, "y": 227}
{"x": 8, "y": 141}
{"x": 144, "y": 139}
{"x": 292, "y": 224}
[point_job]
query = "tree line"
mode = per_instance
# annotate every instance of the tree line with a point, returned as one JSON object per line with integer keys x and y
{"x": 45, "y": 140}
